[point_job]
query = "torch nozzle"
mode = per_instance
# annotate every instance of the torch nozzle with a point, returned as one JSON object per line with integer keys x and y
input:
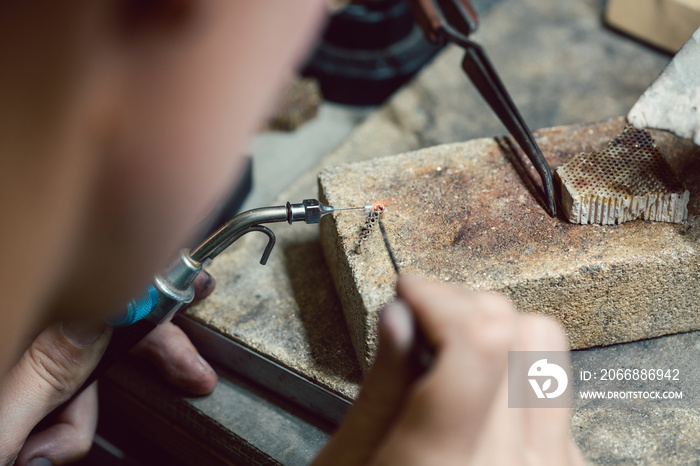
{"x": 364, "y": 207}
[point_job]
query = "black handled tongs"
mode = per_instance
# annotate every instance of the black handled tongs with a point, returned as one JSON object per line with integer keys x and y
{"x": 453, "y": 21}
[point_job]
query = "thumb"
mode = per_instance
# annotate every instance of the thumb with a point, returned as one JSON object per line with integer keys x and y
{"x": 56, "y": 364}
{"x": 378, "y": 404}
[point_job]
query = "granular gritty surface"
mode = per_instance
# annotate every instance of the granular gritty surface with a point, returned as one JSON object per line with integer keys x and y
{"x": 629, "y": 179}
{"x": 566, "y": 68}
{"x": 468, "y": 213}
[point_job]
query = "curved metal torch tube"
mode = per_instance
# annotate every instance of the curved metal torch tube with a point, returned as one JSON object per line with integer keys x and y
{"x": 237, "y": 227}
{"x": 262, "y": 229}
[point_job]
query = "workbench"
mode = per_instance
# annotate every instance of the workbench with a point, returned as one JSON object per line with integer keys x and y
{"x": 562, "y": 67}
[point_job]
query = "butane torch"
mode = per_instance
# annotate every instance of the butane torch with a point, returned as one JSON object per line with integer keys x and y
{"x": 172, "y": 289}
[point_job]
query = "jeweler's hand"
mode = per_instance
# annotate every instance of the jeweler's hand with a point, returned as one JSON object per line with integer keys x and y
{"x": 457, "y": 412}
{"x": 172, "y": 352}
{"x": 57, "y": 363}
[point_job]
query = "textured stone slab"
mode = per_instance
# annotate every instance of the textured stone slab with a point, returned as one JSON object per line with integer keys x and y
{"x": 466, "y": 213}
{"x": 561, "y": 66}
{"x": 260, "y": 307}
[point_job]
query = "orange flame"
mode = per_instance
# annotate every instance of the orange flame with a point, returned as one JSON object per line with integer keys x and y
{"x": 379, "y": 205}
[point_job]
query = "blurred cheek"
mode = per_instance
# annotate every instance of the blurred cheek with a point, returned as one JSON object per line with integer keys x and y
{"x": 191, "y": 106}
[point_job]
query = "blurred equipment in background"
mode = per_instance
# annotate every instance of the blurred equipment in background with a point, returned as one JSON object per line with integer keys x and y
{"x": 367, "y": 51}
{"x": 297, "y": 105}
{"x": 666, "y": 24}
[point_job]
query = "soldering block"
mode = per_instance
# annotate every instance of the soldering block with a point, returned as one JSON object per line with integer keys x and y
{"x": 628, "y": 180}
{"x": 470, "y": 214}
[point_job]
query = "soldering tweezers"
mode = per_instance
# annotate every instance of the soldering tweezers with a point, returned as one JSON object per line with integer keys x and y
{"x": 445, "y": 21}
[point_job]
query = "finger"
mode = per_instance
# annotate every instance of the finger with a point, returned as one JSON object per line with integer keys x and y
{"x": 540, "y": 436}
{"x": 70, "y": 438}
{"x": 175, "y": 356}
{"x": 371, "y": 414}
{"x": 547, "y": 430}
{"x": 503, "y": 440}
{"x": 55, "y": 365}
{"x": 204, "y": 285}
{"x": 575, "y": 455}
{"x": 446, "y": 411}
{"x": 370, "y": 417}
{"x": 471, "y": 331}
{"x": 446, "y": 312}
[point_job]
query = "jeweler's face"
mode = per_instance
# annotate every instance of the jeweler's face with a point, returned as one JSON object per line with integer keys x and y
{"x": 124, "y": 125}
{"x": 191, "y": 95}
